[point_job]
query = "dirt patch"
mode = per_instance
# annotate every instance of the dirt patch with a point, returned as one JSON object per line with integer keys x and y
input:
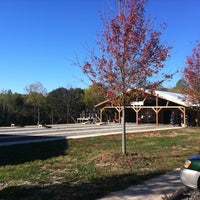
{"x": 120, "y": 161}
{"x": 115, "y": 159}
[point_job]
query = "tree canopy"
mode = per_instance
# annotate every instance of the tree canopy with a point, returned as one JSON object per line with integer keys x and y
{"x": 92, "y": 96}
{"x": 130, "y": 55}
{"x": 191, "y": 75}
{"x": 58, "y": 106}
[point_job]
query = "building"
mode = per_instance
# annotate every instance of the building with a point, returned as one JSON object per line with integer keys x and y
{"x": 144, "y": 106}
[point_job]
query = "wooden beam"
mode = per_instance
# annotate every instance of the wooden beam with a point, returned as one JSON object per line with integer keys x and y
{"x": 156, "y": 110}
{"x": 137, "y": 108}
{"x": 101, "y": 114}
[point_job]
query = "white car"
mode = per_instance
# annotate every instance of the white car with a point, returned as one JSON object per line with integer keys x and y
{"x": 190, "y": 173}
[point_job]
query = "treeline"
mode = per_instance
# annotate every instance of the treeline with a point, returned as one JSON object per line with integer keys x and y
{"x": 58, "y": 106}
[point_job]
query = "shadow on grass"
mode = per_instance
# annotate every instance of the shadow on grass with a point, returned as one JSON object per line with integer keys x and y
{"x": 75, "y": 191}
{"x": 21, "y": 153}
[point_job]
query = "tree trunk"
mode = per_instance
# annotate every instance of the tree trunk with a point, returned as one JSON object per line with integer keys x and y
{"x": 38, "y": 116}
{"x": 123, "y": 130}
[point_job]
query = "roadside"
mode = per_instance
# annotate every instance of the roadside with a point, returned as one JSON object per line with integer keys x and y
{"x": 154, "y": 189}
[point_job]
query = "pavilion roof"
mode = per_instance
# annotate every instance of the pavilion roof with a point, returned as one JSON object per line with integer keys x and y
{"x": 177, "y": 98}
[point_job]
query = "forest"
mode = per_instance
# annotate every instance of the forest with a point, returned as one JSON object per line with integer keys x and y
{"x": 38, "y": 107}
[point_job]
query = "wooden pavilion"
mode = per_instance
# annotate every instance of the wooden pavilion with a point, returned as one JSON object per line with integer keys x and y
{"x": 153, "y": 107}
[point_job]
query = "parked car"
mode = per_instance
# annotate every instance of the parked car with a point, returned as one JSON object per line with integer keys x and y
{"x": 190, "y": 172}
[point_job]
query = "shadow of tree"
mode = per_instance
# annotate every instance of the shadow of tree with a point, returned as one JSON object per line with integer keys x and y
{"x": 17, "y": 154}
{"x": 74, "y": 191}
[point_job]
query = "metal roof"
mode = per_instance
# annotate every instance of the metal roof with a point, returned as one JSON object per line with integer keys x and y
{"x": 173, "y": 97}
{"x": 177, "y": 98}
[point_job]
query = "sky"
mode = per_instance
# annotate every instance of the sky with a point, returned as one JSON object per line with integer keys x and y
{"x": 41, "y": 39}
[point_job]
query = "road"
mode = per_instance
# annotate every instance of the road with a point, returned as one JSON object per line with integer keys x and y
{"x": 28, "y": 134}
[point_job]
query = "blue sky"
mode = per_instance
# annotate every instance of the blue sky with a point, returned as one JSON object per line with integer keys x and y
{"x": 39, "y": 39}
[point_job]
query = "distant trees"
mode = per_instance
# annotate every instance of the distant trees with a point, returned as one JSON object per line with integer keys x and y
{"x": 59, "y": 106}
{"x": 13, "y": 109}
{"x": 180, "y": 84}
{"x": 20, "y": 110}
{"x": 130, "y": 55}
{"x": 65, "y": 105}
{"x": 36, "y": 97}
{"x": 56, "y": 101}
{"x": 75, "y": 103}
{"x": 92, "y": 96}
{"x": 6, "y": 109}
{"x": 191, "y": 76}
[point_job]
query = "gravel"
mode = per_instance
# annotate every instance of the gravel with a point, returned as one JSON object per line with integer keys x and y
{"x": 184, "y": 194}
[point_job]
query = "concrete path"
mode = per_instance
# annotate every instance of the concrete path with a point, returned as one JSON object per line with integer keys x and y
{"x": 153, "y": 189}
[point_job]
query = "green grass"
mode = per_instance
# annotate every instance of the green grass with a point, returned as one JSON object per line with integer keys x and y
{"x": 91, "y": 167}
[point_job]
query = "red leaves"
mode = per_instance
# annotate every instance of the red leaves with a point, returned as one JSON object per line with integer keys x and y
{"x": 191, "y": 75}
{"x": 130, "y": 51}
{"x": 86, "y": 67}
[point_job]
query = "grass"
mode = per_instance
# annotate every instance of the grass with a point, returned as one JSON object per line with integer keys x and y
{"x": 92, "y": 167}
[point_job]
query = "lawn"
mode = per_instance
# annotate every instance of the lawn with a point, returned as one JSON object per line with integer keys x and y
{"x": 90, "y": 168}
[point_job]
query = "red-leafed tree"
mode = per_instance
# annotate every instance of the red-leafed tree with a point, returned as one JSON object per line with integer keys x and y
{"x": 191, "y": 76}
{"x": 130, "y": 55}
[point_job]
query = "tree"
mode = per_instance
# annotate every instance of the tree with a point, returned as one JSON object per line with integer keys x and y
{"x": 19, "y": 109}
{"x": 191, "y": 76}
{"x": 92, "y": 96}
{"x": 179, "y": 86}
{"x": 75, "y": 102}
{"x": 14, "y": 109}
{"x": 36, "y": 93}
{"x": 130, "y": 55}
{"x": 57, "y": 104}
{"x": 6, "y": 102}
{"x": 65, "y": 104}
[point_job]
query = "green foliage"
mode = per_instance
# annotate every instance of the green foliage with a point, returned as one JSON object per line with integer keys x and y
{"x": 59, "y": 106}
{"x": 65, "y": 105}
{"x": 179, "y": 86}
{"x": 92, "y": 96}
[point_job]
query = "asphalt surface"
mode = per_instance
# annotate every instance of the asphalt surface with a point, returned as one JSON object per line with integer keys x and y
{"x": 28, "y": 134}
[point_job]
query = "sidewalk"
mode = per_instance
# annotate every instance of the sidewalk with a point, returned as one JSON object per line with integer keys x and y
{"x": 153, "y": 189}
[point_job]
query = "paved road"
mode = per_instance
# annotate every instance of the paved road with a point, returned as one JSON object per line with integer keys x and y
{"x": 18, "y": 135}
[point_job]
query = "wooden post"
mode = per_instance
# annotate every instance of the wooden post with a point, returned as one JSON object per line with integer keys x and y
{"x": 182, "y": 109}
{"x": 184, "y": 114}
{"x": 136, "y": 109}
{"x": 119, "y": 109}
{"x": 157, "y": 111}
{"x": 101, "y": 115}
